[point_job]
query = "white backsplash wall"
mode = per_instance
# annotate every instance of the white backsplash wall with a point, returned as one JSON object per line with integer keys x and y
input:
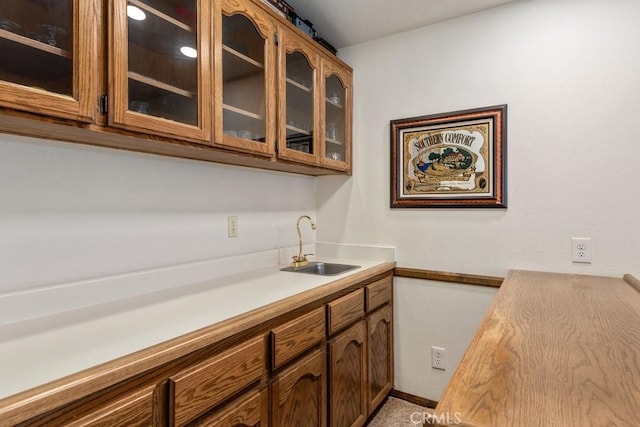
{"x": 71, "y": 212}
{"x": 569, "y": 74}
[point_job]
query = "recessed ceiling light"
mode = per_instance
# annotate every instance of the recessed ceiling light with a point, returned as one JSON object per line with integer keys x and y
{"x": 135, "y": 13}
{"x": 189, "y": 52}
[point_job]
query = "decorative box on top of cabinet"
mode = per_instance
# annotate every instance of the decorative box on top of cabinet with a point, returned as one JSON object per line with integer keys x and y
{"x": 48, "y": 64}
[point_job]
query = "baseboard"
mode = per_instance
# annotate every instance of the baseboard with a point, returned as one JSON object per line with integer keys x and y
{"x": 412, "y": 398}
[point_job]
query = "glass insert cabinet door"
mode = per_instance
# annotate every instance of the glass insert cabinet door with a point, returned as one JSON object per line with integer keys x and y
{"x": 48, "y": 61}
{"x": 245, "y": 103}
{"x": 298, "y": 137}
{"x": 160, "y": 74}
{"x": 337, "y": 117}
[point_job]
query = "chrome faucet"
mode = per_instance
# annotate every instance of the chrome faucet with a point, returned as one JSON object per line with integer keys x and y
{"x": 301, "y": 259}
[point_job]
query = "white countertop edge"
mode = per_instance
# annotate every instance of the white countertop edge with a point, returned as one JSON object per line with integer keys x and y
{"x": 43, "y": 349}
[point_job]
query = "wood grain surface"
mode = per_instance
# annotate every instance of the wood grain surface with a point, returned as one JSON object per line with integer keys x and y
{"x": 202, "y": 386}
{"x": 294, "y": 337}
{"x": 446, "y": 276}
{"x": 346, "y": 310}
{"x": 553, "y": 350}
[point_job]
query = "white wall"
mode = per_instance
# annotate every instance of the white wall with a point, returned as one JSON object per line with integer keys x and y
{"x": 568, "y": 70}
{"x": 70, "y": 212}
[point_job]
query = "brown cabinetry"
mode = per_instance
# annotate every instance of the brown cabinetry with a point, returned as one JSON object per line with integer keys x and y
{"x": 160, "y": 68}
{"x": 299, "y": 393}
{"x": 360, "y": 357}
{"x": 348, "y": 377}
{"x": 249, "y": 410}
{"x": 335, "y": 112}
{"x": 199, "y": 388}
{"x": 48, "y": 63}
{"x": 379, "y": 297}
{"x": 245, "y": 94}
{"x": 325, "y": 361}
{"x": 232, "y": 76}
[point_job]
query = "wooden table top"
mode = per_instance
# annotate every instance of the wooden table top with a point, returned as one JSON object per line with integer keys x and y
{"x": 553, "y": 350}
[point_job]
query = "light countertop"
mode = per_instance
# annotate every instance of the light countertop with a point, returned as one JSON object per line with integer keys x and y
{"x": 37, "y": 351}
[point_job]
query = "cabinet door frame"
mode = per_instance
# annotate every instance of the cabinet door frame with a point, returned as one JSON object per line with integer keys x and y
{"x": 266, "y": 28}
{"x": 381, "y": 315}
{"x": 355, "y": 334}
{"x": 83, "y": 104}
{"x": 330, "y": 68}
{"x": 119, "y": 114}
{"x": 314, "y": 366}
{"x": 290, "y": 42}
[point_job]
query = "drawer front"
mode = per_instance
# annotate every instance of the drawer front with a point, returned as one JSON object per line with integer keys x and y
{"x": 135, "y": 409}
{"x": 345, "y": 310}
{"x": 248, "y": 410}
{"x": 199, "y": 388}
{"x": 297, "y": 336}
{"x": 379, "y": 293}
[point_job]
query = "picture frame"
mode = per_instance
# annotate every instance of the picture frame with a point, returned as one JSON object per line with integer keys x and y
{"x": 450, "y": 160}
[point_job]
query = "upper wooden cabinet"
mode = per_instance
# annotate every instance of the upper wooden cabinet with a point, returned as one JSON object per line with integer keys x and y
{"x": 160, "y": 67}
{"x": 245, "y": 72}
{"x": 335, "y": 112}
{"x": 229, "y": 81}
{"x": 299, "y": 92}
{"x": 48, "y": 63}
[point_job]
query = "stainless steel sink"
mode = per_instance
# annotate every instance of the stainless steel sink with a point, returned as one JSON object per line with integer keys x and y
{"x": 321, "y": 268}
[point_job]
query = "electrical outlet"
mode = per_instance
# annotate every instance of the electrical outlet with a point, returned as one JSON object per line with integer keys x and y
{"x": 581, "y": 249}
{"x": 438, "y": 358}
{"x": 232, "y": 229}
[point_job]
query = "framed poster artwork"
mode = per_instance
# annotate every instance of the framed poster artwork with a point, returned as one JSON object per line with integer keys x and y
{"x": 455, "y": 159}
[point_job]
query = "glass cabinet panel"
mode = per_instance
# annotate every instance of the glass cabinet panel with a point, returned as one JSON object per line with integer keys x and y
{"x": 48, "y": 60}
{"x": 243, "y": 79}
{"x": 335, "y": 119}
{"x": 162, "y": 59}
{"x": 299, "y": 119}
{"x": 36, "y": 41}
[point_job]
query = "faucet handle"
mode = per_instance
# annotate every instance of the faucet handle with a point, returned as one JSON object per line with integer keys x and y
{"x": 308, "y": 254}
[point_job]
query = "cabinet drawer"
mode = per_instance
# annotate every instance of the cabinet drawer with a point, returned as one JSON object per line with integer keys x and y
{"x": 133, "y": 409}
{"x": 202, "y": 386}
{"x": 379, "y": 293}
{"x": 345, "y": 310}
{"x": 296, "y": 336}
{"x": 247, "y": 410}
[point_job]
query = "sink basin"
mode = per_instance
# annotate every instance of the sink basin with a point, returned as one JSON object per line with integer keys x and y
{"x": 321, "y": 268}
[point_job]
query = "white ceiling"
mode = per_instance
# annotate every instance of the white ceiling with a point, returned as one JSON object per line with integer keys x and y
{"x": 348, "y": 22}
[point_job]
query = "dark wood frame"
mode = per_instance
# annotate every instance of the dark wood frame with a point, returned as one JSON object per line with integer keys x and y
{"x": 496, "y": 197}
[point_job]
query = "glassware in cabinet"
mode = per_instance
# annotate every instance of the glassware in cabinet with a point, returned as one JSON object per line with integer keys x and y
{"x": 245, "y": 95}
{"x": 160, "y": 67}
{"x": 48, "y": 63}
{"x": 336, "y": 112}
{"x": 299, "y": 68}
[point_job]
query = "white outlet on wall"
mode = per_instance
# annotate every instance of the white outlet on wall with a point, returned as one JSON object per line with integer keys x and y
{"x": 581, "y": 249}
{"x": 438, "y": 358}
{"x": 232, "y": 226}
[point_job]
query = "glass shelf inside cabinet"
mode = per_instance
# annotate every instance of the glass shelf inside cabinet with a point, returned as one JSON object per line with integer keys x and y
{"x": 299, "y": 112}
{"x": 335, "y": 119}
{"x": 36, "y": 44}
{"x": 243, "y": 79}
{"x": 163, "y": 64}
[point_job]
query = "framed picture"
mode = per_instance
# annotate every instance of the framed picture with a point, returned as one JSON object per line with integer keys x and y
{"x": 455, "y": 159}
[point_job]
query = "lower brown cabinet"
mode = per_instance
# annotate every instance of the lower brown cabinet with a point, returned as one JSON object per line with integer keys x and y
{"x": 380, "y": 356}
{"x": 250, "y": 410}
{"x": 348, "y": 377}
{"x": 330, "y": 364}
{"x": 299, "y": 393}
